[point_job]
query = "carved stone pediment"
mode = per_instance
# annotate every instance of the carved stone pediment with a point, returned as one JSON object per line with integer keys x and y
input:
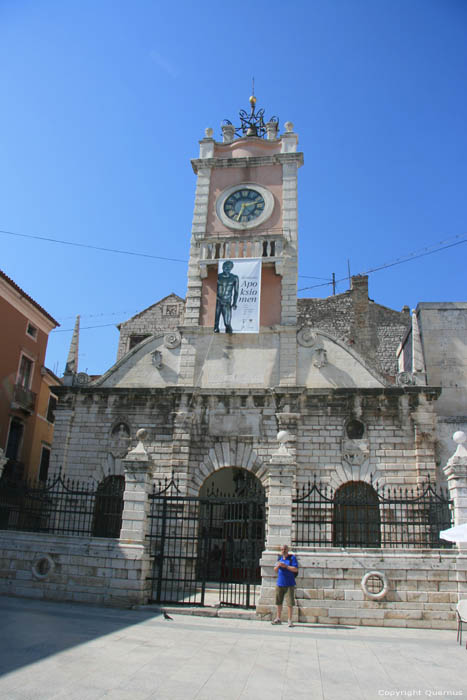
{"x": 355, "y": 452}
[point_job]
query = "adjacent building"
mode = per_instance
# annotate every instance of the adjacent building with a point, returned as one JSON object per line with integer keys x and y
{"x": 27, "y": 400}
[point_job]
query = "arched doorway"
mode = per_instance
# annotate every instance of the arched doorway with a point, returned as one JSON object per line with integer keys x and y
{"x": 232, "y": 528}
{"x": 356, "y": 520}
{"x": 206, "y": 549}
{"x": 108, "y": 507}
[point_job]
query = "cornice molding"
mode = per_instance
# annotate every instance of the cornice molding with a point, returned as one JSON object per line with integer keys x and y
{"x": 247, "y": 161}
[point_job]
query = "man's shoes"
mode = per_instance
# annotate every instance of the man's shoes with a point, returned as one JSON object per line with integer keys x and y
{"x": 290, "y": 624}
{"x": 276, "y": 622}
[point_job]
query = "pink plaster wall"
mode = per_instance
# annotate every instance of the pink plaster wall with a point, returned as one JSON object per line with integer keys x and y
{"x": 247, "y": 147}
{"x": 269, "y": 176}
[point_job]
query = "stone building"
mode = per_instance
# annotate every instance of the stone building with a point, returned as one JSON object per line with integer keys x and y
{"x": 339, "y": 381}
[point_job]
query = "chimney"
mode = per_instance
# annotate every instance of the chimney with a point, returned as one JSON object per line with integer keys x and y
{"x": 360, "y": 328}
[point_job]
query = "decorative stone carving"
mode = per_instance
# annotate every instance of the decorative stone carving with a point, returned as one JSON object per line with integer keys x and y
{"x": 119, "y": 440}
{"x": 375, "y": 585}
{"x": 81, "y": 379}
{"x": 42, "y": 566}
{"x": 355, "y": 452}
{"x": 198, "y": 417}
{"x": 306, "y": 338}
{"x": 139, "y": 452}
{"x": 283, "y": 437}
{"x": 320, "y": 358}
{"x": 156, "y": 358}
{"x": 172, "y": 340}
{"x": 460, "y": 455}
{"x": 405, "y": 379}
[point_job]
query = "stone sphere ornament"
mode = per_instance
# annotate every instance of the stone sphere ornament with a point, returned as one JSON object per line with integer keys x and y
{"x": 460, "y": 437}
{"x": 283, "y": 437}
{"x": 141, "y": 434}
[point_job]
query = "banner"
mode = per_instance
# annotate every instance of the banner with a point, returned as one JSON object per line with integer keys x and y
{"x": 238, "y": 295}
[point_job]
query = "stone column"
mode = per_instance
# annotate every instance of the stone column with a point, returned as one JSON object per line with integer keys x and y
{"x": 280, "y": 483}
{"x": 138, "y": 480}
{"x": 456, "y": 473}
{"x": 279, "y": 526}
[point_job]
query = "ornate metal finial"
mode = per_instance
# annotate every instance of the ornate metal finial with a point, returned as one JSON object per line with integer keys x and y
{"x": 252, "y": 124}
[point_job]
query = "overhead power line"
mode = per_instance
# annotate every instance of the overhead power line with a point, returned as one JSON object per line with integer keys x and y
{"x": 83, "y": 328}
{"x": 93, "y": 247}
{"x": 429, "y": 250}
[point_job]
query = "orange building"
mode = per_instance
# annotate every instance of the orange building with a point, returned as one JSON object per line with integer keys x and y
{"x": 26, "y": 400}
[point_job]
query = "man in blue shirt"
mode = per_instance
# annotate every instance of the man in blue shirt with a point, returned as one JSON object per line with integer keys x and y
{"x": 286, "y": 568}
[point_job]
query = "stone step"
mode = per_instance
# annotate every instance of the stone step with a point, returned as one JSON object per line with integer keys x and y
{"x": 373, "y": 604}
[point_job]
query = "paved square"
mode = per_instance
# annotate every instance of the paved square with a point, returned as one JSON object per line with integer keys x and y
{"x": 62, "y": 651}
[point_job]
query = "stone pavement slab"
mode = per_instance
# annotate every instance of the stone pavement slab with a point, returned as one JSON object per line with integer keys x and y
{"x": 61, "y": 651}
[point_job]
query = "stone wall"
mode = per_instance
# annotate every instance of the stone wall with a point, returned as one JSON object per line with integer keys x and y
{"x": 81, "y": 569}
{"x": 423, "y": 587}
{"x": 185, "y": 429}
{"x": 166, "y": 314}
{"x": 374, "y": 330}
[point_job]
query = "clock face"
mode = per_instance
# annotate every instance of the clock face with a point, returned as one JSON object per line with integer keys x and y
{"x": 244, "y": 205}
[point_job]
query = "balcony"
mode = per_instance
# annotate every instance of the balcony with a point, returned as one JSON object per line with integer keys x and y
{"x": 269, "y": 246}
{"x": 23, "y": 399}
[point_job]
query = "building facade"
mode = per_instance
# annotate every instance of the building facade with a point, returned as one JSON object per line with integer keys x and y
{"x": 242, "y": 418}
{"x": 26, "y": 400}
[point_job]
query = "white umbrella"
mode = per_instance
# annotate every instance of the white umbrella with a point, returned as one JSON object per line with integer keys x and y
{"x": 455, "y": 534}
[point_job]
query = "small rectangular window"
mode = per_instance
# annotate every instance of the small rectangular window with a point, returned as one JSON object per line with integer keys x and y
{"x": 44, "y": 465}
{"x": 136, "y": 339}
{"x": 31, "y": 331}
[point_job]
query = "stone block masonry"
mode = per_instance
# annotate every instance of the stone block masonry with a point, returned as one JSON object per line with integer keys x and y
{"x": 423, "y": 587}
{"x": 81, "y": 569}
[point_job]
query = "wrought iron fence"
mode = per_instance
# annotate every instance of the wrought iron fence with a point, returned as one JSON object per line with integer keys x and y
{"x": 203, "y": 543}
{"x": 361, "y": 515}
{"x": 63, "y": 506}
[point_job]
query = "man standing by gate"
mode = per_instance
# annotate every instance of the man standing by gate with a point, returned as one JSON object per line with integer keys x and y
{"x": 286, "y": 569}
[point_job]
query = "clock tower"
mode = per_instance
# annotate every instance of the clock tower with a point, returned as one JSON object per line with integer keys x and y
{"x": 245, "y": 212}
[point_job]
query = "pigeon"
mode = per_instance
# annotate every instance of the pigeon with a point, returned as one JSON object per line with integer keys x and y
{"x": 166, "y": 616}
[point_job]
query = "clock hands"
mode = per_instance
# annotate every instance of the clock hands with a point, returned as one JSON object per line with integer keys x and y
{"x": 246, "y": 204}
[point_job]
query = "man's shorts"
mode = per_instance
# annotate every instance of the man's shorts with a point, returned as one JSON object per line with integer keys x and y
{"x": 287, "y": 593}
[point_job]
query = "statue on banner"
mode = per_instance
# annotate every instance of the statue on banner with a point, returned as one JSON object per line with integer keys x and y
{"x": 226, "y": 297}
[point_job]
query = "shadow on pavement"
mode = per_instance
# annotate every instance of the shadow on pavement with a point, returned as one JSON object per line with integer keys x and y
{"x": 35, "y": 629}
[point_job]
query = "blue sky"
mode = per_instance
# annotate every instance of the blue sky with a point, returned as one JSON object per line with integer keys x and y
{"x": 104, "y": 103}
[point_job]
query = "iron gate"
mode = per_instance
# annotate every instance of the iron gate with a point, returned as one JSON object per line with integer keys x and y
{"x": 200, "y": 545}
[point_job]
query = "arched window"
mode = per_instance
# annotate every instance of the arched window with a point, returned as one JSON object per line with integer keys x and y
{"x": 108, "y": 507}
{"x": 356, "y": 520}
